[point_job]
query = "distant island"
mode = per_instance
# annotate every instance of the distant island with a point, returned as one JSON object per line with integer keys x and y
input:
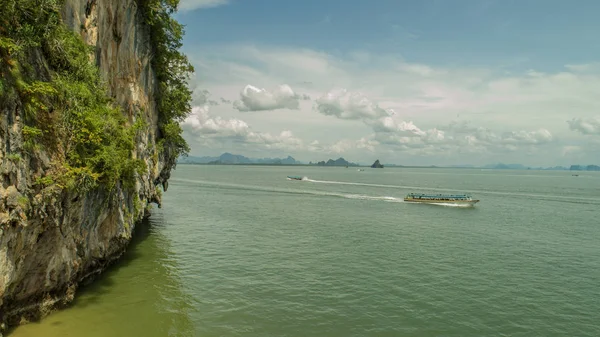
{"x": 377, "y": 164}
{"x": 232, "y": 159}
{"x": 584, "y": 168}
{"x": 237, "y": 159}
{"x": 338, "y": 162}
{"x": 501, "y": 166}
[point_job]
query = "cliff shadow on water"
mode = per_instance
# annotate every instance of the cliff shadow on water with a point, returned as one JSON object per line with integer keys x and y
{"x": 91, "y": 290}
{"x": 140, "y": 294}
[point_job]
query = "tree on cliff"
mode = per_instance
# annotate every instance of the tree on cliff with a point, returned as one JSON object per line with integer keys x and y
{"x": 172, "y": 71}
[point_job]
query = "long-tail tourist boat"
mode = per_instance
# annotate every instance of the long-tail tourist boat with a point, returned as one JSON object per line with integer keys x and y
{"x": 457, "y": 199}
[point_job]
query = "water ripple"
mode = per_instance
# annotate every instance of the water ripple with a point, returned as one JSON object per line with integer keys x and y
{"x": 242, "y": 252}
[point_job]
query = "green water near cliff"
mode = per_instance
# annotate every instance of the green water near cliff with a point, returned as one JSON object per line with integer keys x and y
{"x": 241, "y": 251}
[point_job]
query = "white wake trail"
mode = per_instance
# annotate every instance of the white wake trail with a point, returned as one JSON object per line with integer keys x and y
{"x": 289, "y": 191}
{"x": 564, "y": 197}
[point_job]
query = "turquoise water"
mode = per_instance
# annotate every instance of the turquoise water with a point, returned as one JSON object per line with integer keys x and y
{"x": 242, "y": 251}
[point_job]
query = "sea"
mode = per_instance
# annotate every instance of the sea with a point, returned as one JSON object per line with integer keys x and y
{"x": 243, "y": 251}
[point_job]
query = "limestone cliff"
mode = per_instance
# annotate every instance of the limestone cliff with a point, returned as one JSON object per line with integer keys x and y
{"x": 54, "y": 238}
{"x": 377, "y": 164}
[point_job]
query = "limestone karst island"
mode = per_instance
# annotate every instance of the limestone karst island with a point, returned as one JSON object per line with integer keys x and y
{"x": 91, "y": 93}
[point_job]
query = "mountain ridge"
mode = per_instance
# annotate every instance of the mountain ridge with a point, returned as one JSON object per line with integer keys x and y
{"x": 228, "y": 158}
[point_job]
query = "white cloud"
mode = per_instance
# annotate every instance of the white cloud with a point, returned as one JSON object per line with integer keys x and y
{"x": 390, "y": 124}
{"x": 406, "y": 107}
{"x": 391, "y": 130}
{"x": 208, "y": 130}
{"x": 348, "y": 105}
{"x": 202, "y": 129}
{"x": 455, "y": 138}
{"x": 189, "y": 5}
{"x": 346, "y": 145}
{"x": 284, "y": 141}
{"x": 255, "y": 99}
{"x": 203, "y": 125}
{"x": 571, "y": 150}
{"x": 590, "y": 126}
{"x": 541, "y": 136}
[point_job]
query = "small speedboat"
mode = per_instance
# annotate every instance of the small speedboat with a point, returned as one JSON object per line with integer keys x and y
{"x": 295, "y": 177}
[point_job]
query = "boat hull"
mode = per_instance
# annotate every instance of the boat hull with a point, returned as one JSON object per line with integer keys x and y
{"x": 444, "y": 202}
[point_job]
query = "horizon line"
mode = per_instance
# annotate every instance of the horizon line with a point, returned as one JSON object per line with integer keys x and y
{"x": 566, "y": 166}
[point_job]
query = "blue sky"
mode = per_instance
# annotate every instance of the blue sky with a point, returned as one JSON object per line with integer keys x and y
{"x": 523, "y": 71}
{"x": 526, "y": 33}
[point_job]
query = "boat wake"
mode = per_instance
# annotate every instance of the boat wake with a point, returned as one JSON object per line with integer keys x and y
{"x": 366, "y": 197}
{"x": 562, "y": 198}
{"x": 221, "y": 185}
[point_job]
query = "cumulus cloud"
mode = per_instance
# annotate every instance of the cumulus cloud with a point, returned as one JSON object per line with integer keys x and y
{"x": 189, "y": 5}
{"x": 511, "y": 113}
{"x": 541, "y": 136}
{"x": 344, "y": 104}
{"x": 208, "y": 129}
{"x": 456, "y": 138}
{"x": 590, "y": 126}
{"x": 403, "y": 142}
{"x": 390, "y": 130}
{"x": 202, "y": 124}
{"x": 284, "y": 141}
{"x": 509, "y": 98}
{"x": 255, "y": 99}
{"x": 390, "y": 124}
{"x": 344, "y": 146}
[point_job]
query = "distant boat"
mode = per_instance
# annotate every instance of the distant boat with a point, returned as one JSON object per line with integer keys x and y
{"x": 295, "y": 177}
{"x": 575, "y": 175}
{"x": 457, "y": 199}
{"x": 360, "y": 170}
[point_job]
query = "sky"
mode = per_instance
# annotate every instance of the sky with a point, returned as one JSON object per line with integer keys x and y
{"x": 427, "y": 82}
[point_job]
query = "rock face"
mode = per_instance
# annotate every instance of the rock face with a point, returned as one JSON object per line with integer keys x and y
{"x": 50, "y": 242}
{"x": 377, "y": 164}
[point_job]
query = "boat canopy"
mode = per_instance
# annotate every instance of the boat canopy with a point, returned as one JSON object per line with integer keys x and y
{"x": 438, "y": 196}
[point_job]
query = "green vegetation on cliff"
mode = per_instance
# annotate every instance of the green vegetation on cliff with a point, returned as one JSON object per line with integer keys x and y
{"x": 172, "y": 69}
{"x": 46, "y": 69}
